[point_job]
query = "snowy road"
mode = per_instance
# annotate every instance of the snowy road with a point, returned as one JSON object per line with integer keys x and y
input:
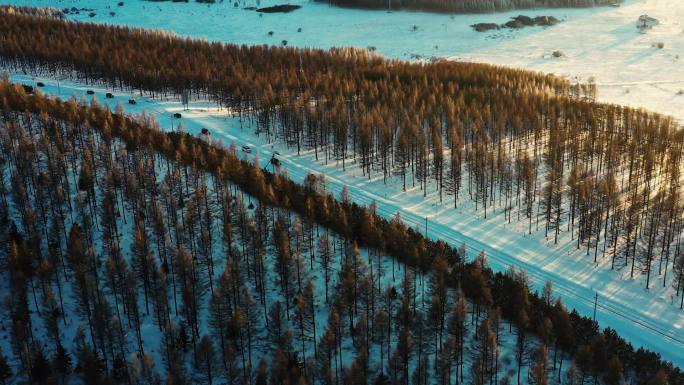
{"x": 635, "y": 314}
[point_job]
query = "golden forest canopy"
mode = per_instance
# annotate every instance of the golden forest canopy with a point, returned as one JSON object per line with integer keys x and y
{"x": 474, "y": 127}
{"x": 603, "y": 169}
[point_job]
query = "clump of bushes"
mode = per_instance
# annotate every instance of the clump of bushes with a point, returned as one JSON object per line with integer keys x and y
{"x": 520, "y": 21}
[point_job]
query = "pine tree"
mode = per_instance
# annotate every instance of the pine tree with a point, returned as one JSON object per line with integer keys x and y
{"x": 143, "y": 262}
{"x": 5, "y": 370}
{"x": 206, "y": 359}
{"x": 90, "y": 365}
{"x": 261, "y": 377}
{"x": 660, "y": 378}
{"x": 539, "y": 373}
{"x": 119, "y": 372}
{"x": 521, "y": 340}
{"x": 457, "y": 331}
{"x": 325, "y": 256}
{"x": 61, "y": 363}
{"x": 279, "y": 335}
{"x": 613, "y": 374}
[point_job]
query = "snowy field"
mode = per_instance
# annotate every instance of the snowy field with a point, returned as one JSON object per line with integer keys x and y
{"x": 605, "y": 46}
{"x": 600, "y": 44}
{"x": 645, "y": 318}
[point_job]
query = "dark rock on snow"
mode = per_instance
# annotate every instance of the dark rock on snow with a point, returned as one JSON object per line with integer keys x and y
{"x": 484, "y": 27}
{"x": 282, "y": 8}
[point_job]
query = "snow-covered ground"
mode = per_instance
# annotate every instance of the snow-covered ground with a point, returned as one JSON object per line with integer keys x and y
{"x": 602, "y": 44}
{"x": 605, "y": 45}
{"x": 645, "y": 318}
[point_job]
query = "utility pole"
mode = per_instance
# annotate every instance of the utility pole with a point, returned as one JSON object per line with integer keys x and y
{"x": 426, "y": 227}
{"x": 595, "y": 303}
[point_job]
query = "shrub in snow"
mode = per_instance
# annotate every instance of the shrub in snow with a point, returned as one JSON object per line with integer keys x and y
{"x": 524, "y": 20}
{"x": 484, "y": 27}
{"x": 515, "y": 24}
{"x": 557, "y": 54}
{"x": 545, "y": 21}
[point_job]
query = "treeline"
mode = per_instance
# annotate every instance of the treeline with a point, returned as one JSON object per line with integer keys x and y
{"x": 249, "y": 77}
{"x": 531, "y": 146}
{"x": 104, "y": 146}
{"x": 470, "y": 6}
{"x": 33, "y": 11}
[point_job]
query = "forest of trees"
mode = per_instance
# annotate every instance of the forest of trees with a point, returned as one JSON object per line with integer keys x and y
{"x": 124, "y": 232}
{"x": 34, "y": 11}
{"x": 532, "y": 146}
{"x": 470, "y": 6}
